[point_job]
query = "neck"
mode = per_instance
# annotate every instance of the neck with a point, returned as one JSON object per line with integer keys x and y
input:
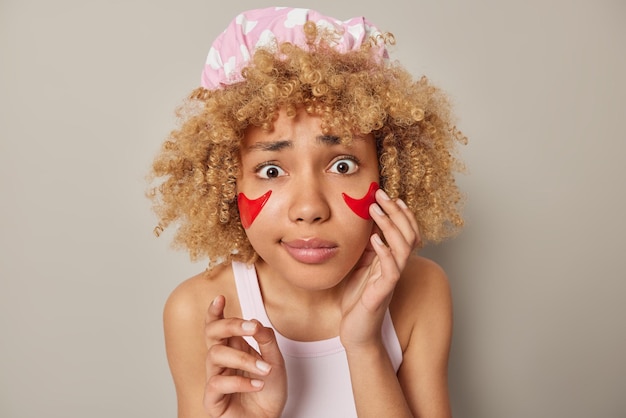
{"x": 299, "y": 313}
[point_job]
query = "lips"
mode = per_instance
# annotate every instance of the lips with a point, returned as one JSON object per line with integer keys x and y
{"x": 310, "y": 251}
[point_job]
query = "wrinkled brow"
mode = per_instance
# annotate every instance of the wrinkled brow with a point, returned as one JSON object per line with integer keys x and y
{"x": 282, "y": 144}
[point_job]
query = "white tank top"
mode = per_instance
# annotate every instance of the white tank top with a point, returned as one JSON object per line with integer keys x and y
{"x": 318, "y": 377}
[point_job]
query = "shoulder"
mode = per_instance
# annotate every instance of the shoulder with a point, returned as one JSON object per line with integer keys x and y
{"x": 422, "y": 296}
{"x": 185, "y": 310}
{"x": 421, "y": 310}
{"x": 186, "y": 298}
{"x": 184, "y": 317}
{"x": 423, "y": 273}
{"x": 190, "y": 299}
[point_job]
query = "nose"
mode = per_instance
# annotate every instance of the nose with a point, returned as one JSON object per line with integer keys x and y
{"x": 308, "y": 203}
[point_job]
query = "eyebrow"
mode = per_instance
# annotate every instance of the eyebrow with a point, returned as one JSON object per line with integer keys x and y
{"x": 286, "y": 143}
{"x": 270, "y": 146}
{"x": 329, "y": 139}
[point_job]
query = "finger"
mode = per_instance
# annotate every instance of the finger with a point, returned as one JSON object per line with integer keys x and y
{"x": 400, "y": 216}
{"x": 220, "y": 331}
{"x": 366, "y": 258}
{"x": 268, "y": 346}
{"x": 412, "y": 221}
{"x": 220, "y": 385}
{"x": 214, "y": 313}
{"x": 217, "y": 328}
{"x": 226, "y": 333}
{"x": 378, "y": 291}
{"x": 226, "y": 357}
{"x": 398, "y": 245}
{"x": 215, "y": 310}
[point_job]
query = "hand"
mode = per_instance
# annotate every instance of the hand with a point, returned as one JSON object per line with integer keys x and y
{"x": 240, "y": 381}
{"x": 370, "y": 287}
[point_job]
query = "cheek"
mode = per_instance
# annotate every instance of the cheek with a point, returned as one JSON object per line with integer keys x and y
{"x": 361, "y": 206}
{"x": 249, "y": 209}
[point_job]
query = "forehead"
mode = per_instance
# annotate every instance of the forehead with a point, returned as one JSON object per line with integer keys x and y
{"x": 289, "y": 130}
{"x": 284, "y": 126}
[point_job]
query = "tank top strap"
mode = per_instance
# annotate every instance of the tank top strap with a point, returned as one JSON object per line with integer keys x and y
{"x": 249, "y": 293}
{"x": 391, "y": 342}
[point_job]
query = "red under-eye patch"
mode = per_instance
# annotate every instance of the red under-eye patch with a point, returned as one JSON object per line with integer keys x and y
{"x": 361, "y": 206}
{"x": 250, "y": 208}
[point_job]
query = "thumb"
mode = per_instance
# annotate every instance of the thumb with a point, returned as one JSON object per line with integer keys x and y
{"x": 268, "y": 345}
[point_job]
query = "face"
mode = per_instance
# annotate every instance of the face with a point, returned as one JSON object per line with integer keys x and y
{"x": 301, "y": 199}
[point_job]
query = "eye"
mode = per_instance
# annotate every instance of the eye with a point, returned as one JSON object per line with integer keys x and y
{"x": 345, "y": 166}
{"x": 270, "y": 171}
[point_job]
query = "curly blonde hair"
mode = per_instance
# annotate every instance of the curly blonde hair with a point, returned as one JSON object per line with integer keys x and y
{"x": 197, "y": 168}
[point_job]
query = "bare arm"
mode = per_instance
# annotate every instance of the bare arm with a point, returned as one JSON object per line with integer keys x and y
{"x": 216, "y": 373}
{"x": 377, "y": 391}
{"x": 422, "y": 307}
{"x": 423, "y": 374}
{"x": 368, "y": 293}
{"x": 183, "y": 322}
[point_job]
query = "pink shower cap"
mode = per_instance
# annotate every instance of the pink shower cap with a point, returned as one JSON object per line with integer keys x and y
{"x": 253, "y": 29}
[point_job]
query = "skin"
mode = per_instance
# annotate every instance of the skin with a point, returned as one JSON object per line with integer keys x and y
{"x": 342, "y": 286}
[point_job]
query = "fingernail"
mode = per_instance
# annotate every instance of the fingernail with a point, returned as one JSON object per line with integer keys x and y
{"x": 248, "y": 325}
{"x": 263, "y": 366}
{"x": 378, "y": 240}
{"x": 378, "y": 210}
{"x": 214, "y": 301}
{"x": 383, "y": 194}
{"x": 256, "y": 383}
{"x": 401, "y": 203}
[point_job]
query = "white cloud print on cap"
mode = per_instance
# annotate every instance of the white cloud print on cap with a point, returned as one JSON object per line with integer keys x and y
{"x": 232, "y": 49}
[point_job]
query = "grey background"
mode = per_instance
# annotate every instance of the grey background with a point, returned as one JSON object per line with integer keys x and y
{"x": 87, "y": 93}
